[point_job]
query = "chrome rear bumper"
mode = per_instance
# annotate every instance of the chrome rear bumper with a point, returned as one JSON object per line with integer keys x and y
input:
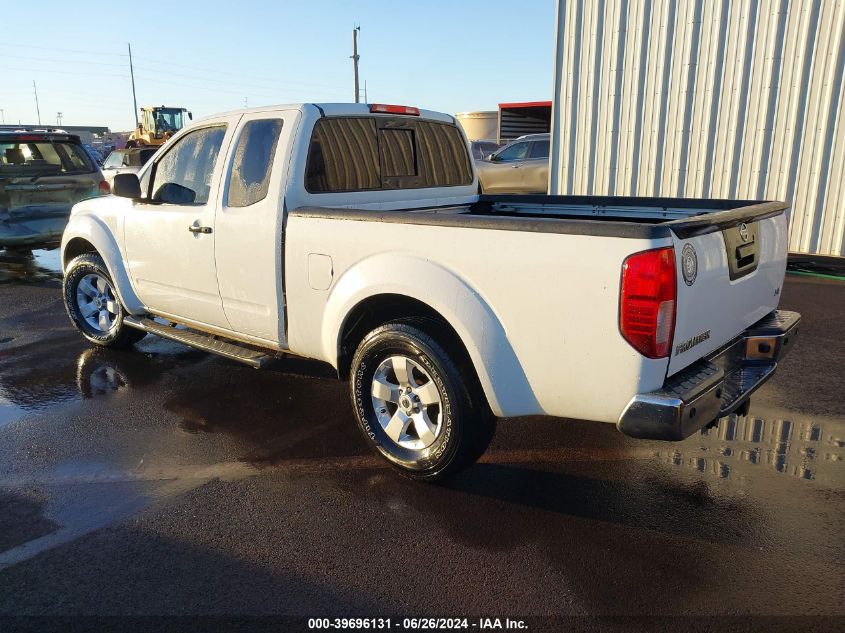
{"x": 714, "y": 386}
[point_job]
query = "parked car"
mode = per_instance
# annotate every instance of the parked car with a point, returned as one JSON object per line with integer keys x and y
{"x": 520, "y": 167}
{"x": 126, "y": 161}
{"x": 42, "y": 175}
{"x": 94, "y": 153}
{"x": 481, "y": 149}
{"x": 353, "y": 234}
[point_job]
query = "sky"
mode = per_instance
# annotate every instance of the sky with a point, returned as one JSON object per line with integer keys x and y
{"x": 215, "y": 56}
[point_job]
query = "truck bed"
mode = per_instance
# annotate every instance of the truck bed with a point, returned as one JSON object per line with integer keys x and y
{"x": 611, "y": 216}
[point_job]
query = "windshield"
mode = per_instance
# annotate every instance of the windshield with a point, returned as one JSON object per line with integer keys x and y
{"x": 168, "y": 119}
{"x": 114, "y": 160}
{"x": 43, "y": 157}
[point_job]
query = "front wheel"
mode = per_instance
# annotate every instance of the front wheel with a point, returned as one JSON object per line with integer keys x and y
{"x": 414, "y": 405}
{"x": 93, "y": 305}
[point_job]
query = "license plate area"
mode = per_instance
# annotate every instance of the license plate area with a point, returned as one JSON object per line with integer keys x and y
{"x": 742, "y": 245}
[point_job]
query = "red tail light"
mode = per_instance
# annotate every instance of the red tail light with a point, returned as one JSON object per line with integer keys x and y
{"x": 104, "y": 187}
{"x": 647, "y": 301}
{"x": 384, "y": 108}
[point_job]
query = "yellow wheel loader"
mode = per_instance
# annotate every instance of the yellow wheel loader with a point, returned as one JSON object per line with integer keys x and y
{"x": 158, "y": 123}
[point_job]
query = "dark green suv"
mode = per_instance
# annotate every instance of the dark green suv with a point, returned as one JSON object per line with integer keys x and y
{"x": 42, "y": 175}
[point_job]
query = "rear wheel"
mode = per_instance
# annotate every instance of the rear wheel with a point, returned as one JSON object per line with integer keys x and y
{"x": 414, "y": 405}
{"x": 92, "y": 303}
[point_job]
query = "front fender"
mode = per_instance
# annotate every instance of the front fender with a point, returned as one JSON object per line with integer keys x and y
{"x": 100, "y": 235}
{"x": 499, "y": 370}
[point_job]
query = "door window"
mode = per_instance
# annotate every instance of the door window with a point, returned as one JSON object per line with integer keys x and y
{"x": 539, "y": 149}
{"x": 253, "y": 161}
{"x": 517, "y": 151}
{"x": 183, "y": 175}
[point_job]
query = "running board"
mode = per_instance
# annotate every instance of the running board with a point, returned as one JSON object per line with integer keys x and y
{"x": 205, "y": 342}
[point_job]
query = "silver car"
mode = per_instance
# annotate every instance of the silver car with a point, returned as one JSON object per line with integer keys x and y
{"x": 520, "y": 167}
{"x": 126, "y": 161}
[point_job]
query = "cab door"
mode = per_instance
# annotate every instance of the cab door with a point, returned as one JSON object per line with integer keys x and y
{"x": 169, "y": 234}
{"x": 249, "y": 225}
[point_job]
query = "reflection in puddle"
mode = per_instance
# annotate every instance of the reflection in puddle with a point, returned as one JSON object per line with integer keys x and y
{"x": 97, "y": 375}
{"x": 741, "y": 445}
{"x": 26, "y": 265}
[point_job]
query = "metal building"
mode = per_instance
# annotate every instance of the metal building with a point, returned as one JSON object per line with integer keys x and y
{"x": 706, "y": 98}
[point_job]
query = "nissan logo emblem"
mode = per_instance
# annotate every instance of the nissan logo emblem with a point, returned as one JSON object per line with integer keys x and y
{"x": 743, "y": 231}
{"x": 689, "y": 264}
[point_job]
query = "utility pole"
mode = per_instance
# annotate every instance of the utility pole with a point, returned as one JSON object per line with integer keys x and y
{"x": 355, "y": 58}
{"x": 37, "y": 109}
{"x": 3, "y": 116}
{"x": 246, "y": 102}
{"x": 132, "y": 74}
{"x": 59, "y": 119}
{"x": 366, "y": 100}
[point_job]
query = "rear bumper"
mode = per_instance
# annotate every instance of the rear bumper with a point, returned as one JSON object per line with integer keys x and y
{"x": 714, "y": 386}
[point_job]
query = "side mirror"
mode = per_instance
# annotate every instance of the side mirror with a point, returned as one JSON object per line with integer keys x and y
{"x": 190, "y": 116}
{"x": 492, "y": 158}
{"x": 126, "y": 186}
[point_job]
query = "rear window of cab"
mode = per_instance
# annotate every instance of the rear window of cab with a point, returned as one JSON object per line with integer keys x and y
{"x": 382, "y": 153}
{"x": 43, "y": 156}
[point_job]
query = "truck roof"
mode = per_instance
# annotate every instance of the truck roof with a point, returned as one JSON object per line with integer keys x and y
{"x": 333, "y": 109}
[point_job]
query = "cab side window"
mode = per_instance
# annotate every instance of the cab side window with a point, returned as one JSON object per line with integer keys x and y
{"x": 249, "y": 178}
{"x": 517, "y": 151}
{"x": 183, "y": 175}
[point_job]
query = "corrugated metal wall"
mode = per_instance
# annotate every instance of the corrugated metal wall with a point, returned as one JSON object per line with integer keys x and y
{"x": 706, "y": 98}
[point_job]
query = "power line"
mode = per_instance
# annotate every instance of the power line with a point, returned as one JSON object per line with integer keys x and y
{"x": 64, "y": 72}
{"x": 217, "y": 71}
{"x": 63, "y": 50}
{"x": 60, "y": 61}
{"x": 212, "y": 88}
{"x": 228, "y": 82}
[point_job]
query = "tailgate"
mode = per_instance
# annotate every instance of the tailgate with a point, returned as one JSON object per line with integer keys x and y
{"x": 727, "y": 280}
{"x": 17, "y": 195}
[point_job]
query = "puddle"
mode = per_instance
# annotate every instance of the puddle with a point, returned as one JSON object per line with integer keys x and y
{"x": 9, "y": 412}
{"x": 743, "y": 446}
{"x": 30, "y": 265}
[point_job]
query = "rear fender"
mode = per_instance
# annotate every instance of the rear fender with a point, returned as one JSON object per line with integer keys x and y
{"x": 499, "y": 371}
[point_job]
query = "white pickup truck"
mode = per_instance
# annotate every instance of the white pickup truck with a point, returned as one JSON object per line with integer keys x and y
{"x": 354, "y": 234}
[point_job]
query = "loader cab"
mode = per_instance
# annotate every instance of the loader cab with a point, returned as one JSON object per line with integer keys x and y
{"x": 157, "y": 125}
{"x": 162, "y": 120}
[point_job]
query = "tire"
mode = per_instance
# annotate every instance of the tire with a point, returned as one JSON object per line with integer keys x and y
{"x": 443, "y": 424}
{"x": 93, "y": 305}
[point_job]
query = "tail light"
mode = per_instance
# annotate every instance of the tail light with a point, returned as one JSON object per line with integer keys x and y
{"x": 104, "y": 187}
{"x": 647, "y": 301}
{"x": 384, "y": 108}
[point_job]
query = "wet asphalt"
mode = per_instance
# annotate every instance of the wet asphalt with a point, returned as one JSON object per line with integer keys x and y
{"x": 164, "y": 481}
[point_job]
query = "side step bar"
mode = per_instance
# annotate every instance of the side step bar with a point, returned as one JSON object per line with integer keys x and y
{"x": 205, "y": 342}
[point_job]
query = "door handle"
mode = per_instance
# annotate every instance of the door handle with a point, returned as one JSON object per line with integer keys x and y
{"x": 195, "y": 228}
